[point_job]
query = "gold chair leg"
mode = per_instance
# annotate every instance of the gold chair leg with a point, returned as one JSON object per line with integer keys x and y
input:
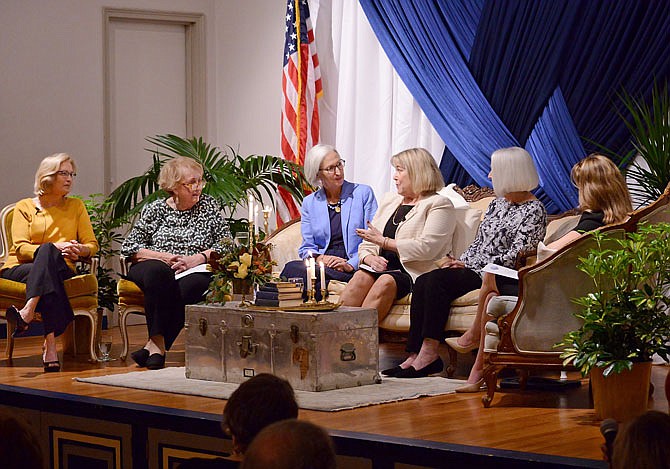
{"x": 123, "y": 326}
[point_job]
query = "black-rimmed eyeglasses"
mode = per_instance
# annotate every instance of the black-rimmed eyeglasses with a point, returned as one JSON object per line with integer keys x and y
{"x": 331, "y": 169}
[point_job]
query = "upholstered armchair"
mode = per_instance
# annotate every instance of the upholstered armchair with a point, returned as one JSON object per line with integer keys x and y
{"x": 529, "y": 325}
{"x": 131, "y": 301}
{"x": 82, "y": 291}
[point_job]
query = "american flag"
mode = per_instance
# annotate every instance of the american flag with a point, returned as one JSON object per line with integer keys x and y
{"x": 301, "y": 88}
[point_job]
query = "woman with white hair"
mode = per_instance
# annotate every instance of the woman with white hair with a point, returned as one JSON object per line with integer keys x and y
{"x": 330, "y": 217}
{"x": 49, "y": 233}
{"x": 172, "y": 235}
{"x": 514, "y": 221}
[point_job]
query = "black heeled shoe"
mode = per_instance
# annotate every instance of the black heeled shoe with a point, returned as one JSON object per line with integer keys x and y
{"x": 392, "y": 371}
{"x": 156, "y": 361}
{"x": 435, "y": 367}
{"x": 140, "y": 357}
{"x": 21, "y": 325}
{"x": 51, "y": 367}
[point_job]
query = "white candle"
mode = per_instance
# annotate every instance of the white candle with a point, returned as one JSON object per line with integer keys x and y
{"x": 267, "y": 209}
{"x": 250, "y": 217}
{"x": 256, "y": 220}
{"x": 312, "y": 265}
{"x": 322, "y": 271}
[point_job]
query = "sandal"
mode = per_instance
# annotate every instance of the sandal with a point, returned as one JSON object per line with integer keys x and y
{"x": 21, "y": 325}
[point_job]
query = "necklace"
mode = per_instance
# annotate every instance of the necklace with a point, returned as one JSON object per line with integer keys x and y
{"x": 393, "y": 220}
{"x": 336, "y": 206}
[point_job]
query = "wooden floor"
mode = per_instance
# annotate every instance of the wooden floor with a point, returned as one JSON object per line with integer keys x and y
{"x": 554, "y": 423}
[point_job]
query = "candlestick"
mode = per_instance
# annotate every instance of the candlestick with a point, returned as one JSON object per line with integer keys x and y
{"x": 322, "y": 272}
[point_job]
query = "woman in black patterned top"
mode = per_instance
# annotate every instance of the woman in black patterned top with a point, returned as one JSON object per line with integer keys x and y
{"x": 514, "y": 221}
{"x": 172, "y": 236}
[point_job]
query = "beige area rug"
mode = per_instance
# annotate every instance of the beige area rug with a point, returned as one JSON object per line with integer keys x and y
{"x": 390, "y": 390}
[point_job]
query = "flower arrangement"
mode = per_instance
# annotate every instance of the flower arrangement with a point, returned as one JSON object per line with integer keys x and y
{"x": 241, "y": 264}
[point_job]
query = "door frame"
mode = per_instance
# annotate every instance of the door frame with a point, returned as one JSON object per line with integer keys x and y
{"x": 196, "y": 83}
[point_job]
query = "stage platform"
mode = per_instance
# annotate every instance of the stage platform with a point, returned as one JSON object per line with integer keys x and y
{"x": 87, "y": 425}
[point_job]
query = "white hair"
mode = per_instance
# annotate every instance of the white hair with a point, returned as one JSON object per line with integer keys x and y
{"x": 513, "y": 170}
{"x": 313, "y": 160}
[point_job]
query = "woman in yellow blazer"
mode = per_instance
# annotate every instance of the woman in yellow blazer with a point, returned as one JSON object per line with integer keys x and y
{"x": 49, "y": 233}
{"x": 410, "y": 231}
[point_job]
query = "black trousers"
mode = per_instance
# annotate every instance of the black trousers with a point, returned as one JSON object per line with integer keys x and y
{"x": 165, "y": 298}
{"x": 44, "y": 277}
{"x": 432, "y": 295}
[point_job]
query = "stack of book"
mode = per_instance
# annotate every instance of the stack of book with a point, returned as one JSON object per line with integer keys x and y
{"x": 279, "y": 294}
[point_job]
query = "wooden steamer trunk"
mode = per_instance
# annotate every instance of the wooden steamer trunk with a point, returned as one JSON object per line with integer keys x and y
{"x": 314, "y": 351}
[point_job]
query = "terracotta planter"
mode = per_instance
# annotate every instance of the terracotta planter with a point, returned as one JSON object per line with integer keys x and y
{"x": 621, "y": 396}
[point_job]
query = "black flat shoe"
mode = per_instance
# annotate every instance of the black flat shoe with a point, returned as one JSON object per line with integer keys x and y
{"x": 156, "y": 361}
{"x": 435, "y": 367}
{"x": 21, "y": 325}
{"x": 392, "y": 371}
{"x": 51, "y": 367}
{"x": 140, "y": 357}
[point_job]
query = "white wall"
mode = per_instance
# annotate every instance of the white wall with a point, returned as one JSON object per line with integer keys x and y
{"x": 51, "y": 81}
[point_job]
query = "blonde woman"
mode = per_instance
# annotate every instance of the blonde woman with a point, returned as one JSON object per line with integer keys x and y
{"x": 173, "y": 235}
{"x": 410, "y": 231}
{"x": 603, "y": 199}
{"x": 49, "y": 233}
{"x": 515, "y": 220}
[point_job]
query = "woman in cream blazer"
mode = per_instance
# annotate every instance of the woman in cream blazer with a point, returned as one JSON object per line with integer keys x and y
{"x": 411, "y": 230}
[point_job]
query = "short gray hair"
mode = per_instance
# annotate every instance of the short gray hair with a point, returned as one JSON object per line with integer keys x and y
{"x": 313, "y": 160}
{"x": 513, "y": 170}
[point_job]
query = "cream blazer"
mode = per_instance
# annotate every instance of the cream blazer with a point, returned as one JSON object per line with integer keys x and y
{"x": 422, "y": 238}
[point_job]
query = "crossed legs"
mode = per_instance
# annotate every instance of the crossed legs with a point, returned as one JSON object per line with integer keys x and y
{"x": 369, "y": 292}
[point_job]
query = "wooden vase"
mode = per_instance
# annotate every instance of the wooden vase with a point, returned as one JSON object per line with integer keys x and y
{"x": 621, "y": 396}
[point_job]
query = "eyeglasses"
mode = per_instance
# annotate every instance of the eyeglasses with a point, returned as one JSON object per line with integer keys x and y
{"x": 194, "y": 186}
{"x": 65, "y": 174}
{"x": 331, "y": 169}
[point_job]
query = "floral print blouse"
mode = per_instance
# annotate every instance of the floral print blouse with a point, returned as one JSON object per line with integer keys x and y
{"x": 184, "y": 232}
{"x": 507, "y": 228}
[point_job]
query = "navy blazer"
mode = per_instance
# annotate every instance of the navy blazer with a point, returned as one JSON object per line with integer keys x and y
{"x": 358, "y": 207}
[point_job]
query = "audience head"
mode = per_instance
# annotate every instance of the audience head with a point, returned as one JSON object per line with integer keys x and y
{"x": 176, "y": 171}
{"x": 254, "y": 405}
{"x": 422, "y": 171}
{"x": 48, "y": 171}
{"x": 513, "y": 170}
{"x": 601, "y": 187}
{"x": 19, "y": 447}
{"x": 291, "y": 444}
{"x": 313, "y": 161}
{"x": 643, "y": 443}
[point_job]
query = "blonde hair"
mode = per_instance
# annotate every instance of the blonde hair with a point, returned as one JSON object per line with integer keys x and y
{"x": 601, "y": 187}
{"x": 513, "y": 170}
{"x": 313, "y": 160}
{"x": 173, "y": 172}
{"x": 46, "y": 172}
{"x": 424, "y": 175}
{"x": 643, "y": 442}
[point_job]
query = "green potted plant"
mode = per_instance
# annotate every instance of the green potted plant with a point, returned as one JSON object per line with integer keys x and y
{"x": 105, "y": 228}
{"x": 230, "y": 177}
{"x": 625, "y": 319}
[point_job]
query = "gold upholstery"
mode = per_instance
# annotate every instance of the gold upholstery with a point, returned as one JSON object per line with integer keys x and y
{"x": 131, "y": 301}
{"x": 544, "y": 311}
{"x": 82, "y": 290}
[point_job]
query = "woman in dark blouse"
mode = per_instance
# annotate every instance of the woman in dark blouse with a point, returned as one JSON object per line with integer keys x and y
{"x": 172, "y": 236}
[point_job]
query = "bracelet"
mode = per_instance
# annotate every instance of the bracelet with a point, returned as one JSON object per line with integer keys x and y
{"x": 205, "y": 256}
{"x": 384, "y": 242}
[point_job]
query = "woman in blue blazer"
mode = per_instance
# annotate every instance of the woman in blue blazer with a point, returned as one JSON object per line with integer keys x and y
{"x": 330, "y": 217}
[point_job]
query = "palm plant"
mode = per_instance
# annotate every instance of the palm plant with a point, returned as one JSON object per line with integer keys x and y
{"x": 649, "y": 127}
{"x": 230, "y": 177}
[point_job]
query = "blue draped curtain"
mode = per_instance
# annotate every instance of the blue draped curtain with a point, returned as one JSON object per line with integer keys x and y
{"x": 541, "y": 74}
